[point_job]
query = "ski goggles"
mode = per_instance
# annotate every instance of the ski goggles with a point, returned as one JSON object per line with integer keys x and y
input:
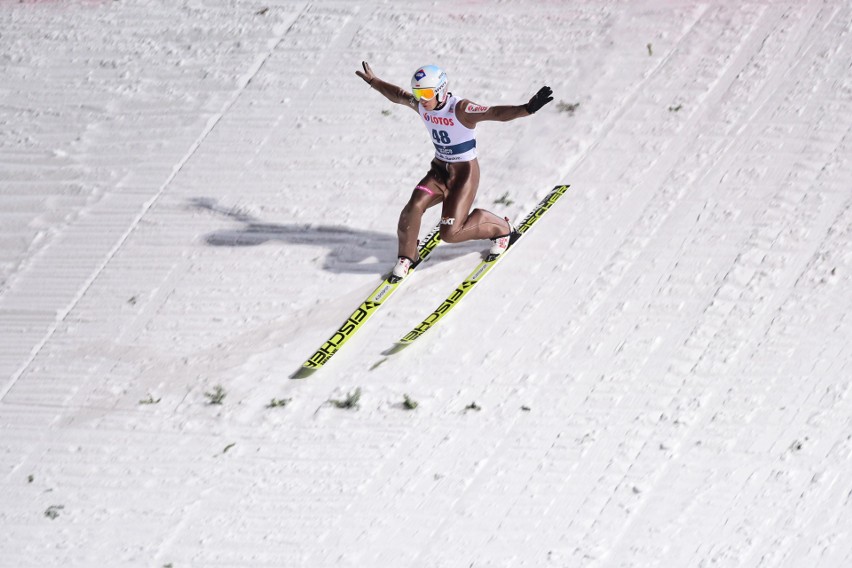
{"x": 425, "y": 94}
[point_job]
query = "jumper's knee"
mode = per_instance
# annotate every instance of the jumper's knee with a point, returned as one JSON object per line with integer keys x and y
{"x": 450, "y": 232}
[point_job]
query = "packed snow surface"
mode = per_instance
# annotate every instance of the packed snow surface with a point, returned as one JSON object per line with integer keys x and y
{"x": 195, "y": 194}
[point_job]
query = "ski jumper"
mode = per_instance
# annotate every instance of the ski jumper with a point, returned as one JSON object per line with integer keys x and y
{"x": 453, "y": 179}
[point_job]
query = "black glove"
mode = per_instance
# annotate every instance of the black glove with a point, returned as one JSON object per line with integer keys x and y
{"x": 541, "y": 98}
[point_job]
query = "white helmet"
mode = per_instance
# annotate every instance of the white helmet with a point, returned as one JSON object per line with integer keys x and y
{"x": 429, "y": 82}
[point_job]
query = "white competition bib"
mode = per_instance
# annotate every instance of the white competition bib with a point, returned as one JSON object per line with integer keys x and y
{"x": 453, "y": 141}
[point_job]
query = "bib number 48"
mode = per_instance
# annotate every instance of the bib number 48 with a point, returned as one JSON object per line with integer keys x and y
{"x": 440, "y": 136}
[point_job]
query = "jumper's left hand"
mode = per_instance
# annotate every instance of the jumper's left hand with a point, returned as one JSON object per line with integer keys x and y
{"x": 541, "y": 98}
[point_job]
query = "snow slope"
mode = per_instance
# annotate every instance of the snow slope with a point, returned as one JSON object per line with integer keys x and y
{"x": 195, "y": 194}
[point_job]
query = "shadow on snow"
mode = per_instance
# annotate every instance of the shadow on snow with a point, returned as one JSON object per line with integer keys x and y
{"x": 349, "y": 250}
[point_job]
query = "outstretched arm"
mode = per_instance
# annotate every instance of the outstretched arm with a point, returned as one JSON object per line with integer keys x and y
{"x": 472, "y": 113}
{"x": 391, "y": 92}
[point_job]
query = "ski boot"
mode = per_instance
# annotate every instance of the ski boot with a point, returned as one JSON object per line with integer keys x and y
{"x": 500, "y": 244}
{"x": 401, "y": 269}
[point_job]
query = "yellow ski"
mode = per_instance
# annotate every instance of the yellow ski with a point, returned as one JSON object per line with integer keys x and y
{"x": 479, "y": 272}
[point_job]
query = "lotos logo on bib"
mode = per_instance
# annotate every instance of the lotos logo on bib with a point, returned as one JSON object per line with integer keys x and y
{"x": 443, "y": 121}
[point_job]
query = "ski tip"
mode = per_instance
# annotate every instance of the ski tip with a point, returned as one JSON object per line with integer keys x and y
{"x": 303, "y": 373}
{"x": 395, "y": 349}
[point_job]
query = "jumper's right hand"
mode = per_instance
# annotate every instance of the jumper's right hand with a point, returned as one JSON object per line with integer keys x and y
{"x": 367, "y": 74}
